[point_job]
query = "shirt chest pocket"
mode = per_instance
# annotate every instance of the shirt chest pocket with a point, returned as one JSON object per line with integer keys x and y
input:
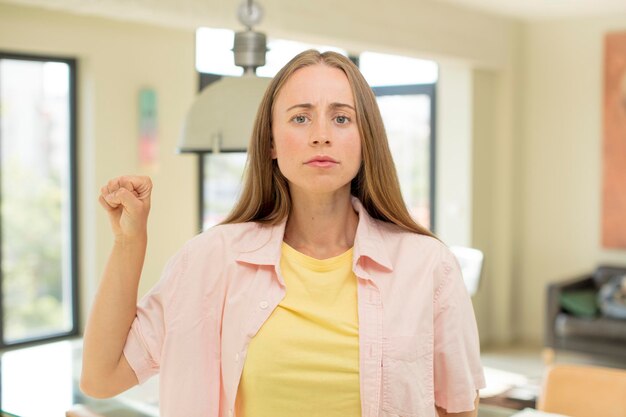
{"x": 407, "y": 376}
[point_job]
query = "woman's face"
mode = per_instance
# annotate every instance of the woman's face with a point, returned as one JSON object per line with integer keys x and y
{"x": 315, "y": 136}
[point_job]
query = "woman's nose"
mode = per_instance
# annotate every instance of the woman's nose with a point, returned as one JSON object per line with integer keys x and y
{"x": 320, "y": 134}
{"x": 317, "y": 141}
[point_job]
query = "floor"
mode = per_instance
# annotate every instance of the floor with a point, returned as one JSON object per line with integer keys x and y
{"x": 514, "y": 374}
{"x": 513, "y": 377}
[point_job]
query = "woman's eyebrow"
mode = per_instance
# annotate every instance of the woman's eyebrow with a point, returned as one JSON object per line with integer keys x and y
{"x": 302, "y": 106}
{"x": 310, "y": 106}
{"x": 341, "y": 105}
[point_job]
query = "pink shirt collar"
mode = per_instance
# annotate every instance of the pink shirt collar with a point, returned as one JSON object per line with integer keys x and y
{"x": 264, "y": 244}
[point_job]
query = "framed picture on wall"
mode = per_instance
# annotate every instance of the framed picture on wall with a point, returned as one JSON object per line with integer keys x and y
{"x": 614, "y": 144}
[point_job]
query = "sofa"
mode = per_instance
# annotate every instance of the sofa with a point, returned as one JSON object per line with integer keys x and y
{"x": 583, "y": 330}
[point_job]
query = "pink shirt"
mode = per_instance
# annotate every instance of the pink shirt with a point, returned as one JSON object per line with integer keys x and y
{"x": 418, "y": 342}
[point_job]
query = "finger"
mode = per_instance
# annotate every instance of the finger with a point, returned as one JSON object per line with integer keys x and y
{"x": 125, "y": 198}
{"x": 131, "y": 183}
{"x": 105, "y": 204}
{"x": 104, "y": 191}
{"x": 141, "y": 185}
{"x": 113, "y": 185}
{"x": 112, "y": 200}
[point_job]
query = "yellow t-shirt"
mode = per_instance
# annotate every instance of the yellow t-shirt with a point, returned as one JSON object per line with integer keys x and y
{"x": 304, "y": 361}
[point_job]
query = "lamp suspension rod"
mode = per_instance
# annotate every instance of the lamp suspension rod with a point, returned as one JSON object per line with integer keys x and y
{"x": 249, "y": 27}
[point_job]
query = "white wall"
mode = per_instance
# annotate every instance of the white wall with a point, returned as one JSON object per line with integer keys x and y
{"x": 495, "y": 104}
{"x": 483, "y": 153}
{"x": 561, "y": 160}
{"x": 115, "y": 60}
{"x": 453, "y": 203}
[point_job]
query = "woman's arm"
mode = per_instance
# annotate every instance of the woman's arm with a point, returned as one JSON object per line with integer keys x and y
{"x": 442, "y": 413}
{"x": 105, "y": 370}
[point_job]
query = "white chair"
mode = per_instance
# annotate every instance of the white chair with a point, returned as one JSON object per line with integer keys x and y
{"x": 471, "y": 262}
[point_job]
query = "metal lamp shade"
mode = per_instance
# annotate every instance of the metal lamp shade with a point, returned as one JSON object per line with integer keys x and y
{"x": 222, "y": 116}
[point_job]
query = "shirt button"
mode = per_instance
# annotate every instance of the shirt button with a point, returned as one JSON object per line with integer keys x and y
{"x": 230, "y": 413}
{"x": 263, "y": 304}
{"x": 236, "y": 357}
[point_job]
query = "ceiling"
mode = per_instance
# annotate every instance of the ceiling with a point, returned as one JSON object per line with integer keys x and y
{"x": 190, "y": 13}
{"x": 544, "y": 9}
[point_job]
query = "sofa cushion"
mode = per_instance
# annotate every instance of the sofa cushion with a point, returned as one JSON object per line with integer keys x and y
{"x": 581, "y": 303}
{"x": 602, "y": 327}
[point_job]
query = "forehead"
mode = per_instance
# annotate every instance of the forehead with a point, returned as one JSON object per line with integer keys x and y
{"x": 316, "y": 84}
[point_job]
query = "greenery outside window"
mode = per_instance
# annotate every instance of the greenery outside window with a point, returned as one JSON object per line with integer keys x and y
{"x": 38, "y": 256}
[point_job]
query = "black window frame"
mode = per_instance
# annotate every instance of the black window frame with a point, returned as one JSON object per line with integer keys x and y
{"x": 73, "y": 205}
{"x": 429, "y": 90}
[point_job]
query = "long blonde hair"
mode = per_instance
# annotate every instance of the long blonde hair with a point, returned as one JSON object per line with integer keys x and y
{"x": 265, "y": 197}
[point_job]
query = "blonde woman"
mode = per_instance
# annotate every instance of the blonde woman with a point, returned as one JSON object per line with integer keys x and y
{"x": 319, "y": 295}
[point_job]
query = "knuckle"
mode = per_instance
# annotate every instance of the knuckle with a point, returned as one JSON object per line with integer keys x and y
{"x": 143, "y": 180}
{"x": 112, "y": 183}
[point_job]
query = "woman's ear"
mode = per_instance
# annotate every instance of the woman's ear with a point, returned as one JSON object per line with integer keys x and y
{"x": 273, "y": 149}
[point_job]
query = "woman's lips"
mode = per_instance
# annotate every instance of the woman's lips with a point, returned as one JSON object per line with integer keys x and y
{"x": 321, "y": 161}
{"x": 321, "y": 164}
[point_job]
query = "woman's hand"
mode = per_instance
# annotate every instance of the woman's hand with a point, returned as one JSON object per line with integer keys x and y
{"x": 127, "y": 202}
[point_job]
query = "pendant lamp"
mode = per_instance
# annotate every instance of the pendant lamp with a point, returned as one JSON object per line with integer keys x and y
{"x": 221, "y": 117}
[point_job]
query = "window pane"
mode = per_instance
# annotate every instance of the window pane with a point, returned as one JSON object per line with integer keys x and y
{"x": 382, "y": 69}
{"x": 36, "y": 198}
{"x": 223, "y": 174}
{"x": 407, "y": 122}
{"x": 214, "y": 52}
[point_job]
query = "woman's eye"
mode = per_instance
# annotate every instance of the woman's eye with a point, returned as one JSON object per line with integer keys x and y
{"x": 299, "y": 119}
{"x": 342, "y": 120}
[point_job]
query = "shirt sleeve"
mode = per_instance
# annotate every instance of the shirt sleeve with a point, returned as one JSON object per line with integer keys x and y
{"x": 147, "y": 333}
{"x": 457, "y": 368}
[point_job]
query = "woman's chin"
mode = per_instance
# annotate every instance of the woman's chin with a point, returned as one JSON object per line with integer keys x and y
{"x": 319, "y": 189}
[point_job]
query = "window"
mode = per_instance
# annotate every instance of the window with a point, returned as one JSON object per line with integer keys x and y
{"x": 407, "y": 113}
{"x": 406, "y": 97}
{"x": 222, "y": 178}
{"x": 38, "y": 268}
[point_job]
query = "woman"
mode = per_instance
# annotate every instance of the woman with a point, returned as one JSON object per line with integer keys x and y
{"x": 317, "y": 296}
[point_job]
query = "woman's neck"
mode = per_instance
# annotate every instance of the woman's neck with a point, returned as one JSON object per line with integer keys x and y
{"x": 321, "y": 226}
